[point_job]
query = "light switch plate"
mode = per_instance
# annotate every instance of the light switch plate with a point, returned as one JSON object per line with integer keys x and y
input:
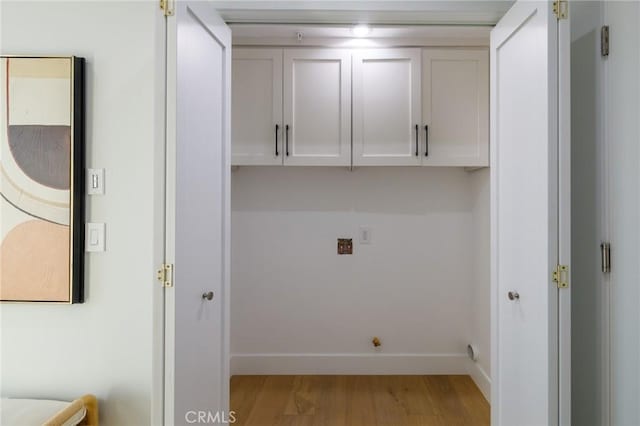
{"x": 365, "y": 235}
{"x": 95, "y": 181}
{"x": 94, "y": 237}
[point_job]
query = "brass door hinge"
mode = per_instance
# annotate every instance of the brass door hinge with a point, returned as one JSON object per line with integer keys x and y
{"x": 561, "y": 9}
{"x": 561, "y": 276}
{"x": 167, "y": 7}
{"x": 165, "y": 275}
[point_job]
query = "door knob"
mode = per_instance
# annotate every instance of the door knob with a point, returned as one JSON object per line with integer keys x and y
{"x": 207, "y": 296}
{"x": 513, "y": 295}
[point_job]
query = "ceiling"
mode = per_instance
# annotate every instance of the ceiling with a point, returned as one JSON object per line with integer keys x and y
{"x": 400, "y": 12}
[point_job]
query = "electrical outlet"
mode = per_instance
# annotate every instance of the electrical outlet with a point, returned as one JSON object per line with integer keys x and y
{"x": 345, "y": 246}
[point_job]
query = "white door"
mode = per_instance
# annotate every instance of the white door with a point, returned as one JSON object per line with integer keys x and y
{"x": 622, "y": 115}
{"x": 256, "y": 114}
{"x": 386, "y": 107}
{"x": 197, "y": 217}
{"x": 317, "y": 107}
{"x": 455, "y": 107}
{"x": 530, "y": 217}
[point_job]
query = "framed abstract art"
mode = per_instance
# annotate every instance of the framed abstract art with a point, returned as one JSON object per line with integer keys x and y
{"x": 42, "y": 179}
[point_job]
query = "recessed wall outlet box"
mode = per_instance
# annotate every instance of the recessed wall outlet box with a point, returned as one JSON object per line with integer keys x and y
{"x": 95, "y": 181}
{"x": 94, "y": 237}
{"x": 345, "y": 246}
{"x": 365, "y": 235}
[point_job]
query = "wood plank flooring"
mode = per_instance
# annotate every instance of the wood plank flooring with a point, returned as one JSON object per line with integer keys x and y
{"x": 357, "y": 401}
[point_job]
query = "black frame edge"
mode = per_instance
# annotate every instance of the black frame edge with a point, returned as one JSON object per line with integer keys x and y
{"x": 79, "y": 165}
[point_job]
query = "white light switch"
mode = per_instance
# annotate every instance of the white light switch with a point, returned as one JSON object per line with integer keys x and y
{"x": 94, "y": 237}
{"x": 95, "y": 181}
{"x": 365, "y": 235}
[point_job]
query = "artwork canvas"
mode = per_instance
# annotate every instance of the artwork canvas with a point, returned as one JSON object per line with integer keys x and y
{"x": 41, "y": 179}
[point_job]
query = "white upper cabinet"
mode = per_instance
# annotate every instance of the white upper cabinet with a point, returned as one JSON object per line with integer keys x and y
{"x": 256, "y": 107}
{"x": 317, "y": 107}
{"x": 411, "y": 107}
{"x": 455, "y": 105}
{"x": 387, "y": 113}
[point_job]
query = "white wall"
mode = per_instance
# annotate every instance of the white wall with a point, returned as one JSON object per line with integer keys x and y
{"x": 480, "y": 333}
{"x": 298, "y": 307}
{"x": 103, "y": 346}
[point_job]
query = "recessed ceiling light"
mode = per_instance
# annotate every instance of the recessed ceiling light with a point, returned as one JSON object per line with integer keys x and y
{"x": 361, "y": 30}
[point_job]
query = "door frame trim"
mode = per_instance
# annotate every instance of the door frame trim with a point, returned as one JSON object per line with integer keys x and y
{"x": 604, "y": 193}
{"x": 159, "y": 220}
{"x": 564, "y": 216}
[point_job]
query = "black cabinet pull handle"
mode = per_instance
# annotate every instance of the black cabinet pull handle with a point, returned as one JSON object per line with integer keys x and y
{"x": 286, "y": 139}
{"x": 426, "y": 141}
{"x": 417, "y": 137}
{"x": 277, "y": 127}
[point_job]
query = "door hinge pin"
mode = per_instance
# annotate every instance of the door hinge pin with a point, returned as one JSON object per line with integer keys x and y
{"x": 604, "y": 41}
{"x": 561, "y": 276}
{"x": 165, "y": 275}
{"x": 605, "y": 250}
{"x": 561, "y": 9}
{"x": 167, "y": 7}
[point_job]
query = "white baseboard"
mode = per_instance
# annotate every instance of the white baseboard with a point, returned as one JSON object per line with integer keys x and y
{"x": 481, "y": 378}
{"x": 348, "y": 364}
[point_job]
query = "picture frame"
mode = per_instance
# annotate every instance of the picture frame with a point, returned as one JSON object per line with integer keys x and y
{"x": 42, "y": 179}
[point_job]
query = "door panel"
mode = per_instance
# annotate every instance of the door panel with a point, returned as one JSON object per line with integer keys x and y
{"x": 622, "y": 135}
{"x": 257, "y": 107}
{"x": 198, "y": 160}
{"x": 386, "y": 107}
{"x": 455, "y": 106}
{"x": 525, "y": 168}
{"x": 317, "y": 107}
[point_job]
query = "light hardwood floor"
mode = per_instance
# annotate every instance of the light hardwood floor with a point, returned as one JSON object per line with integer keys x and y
{"x": 357, "y": 401}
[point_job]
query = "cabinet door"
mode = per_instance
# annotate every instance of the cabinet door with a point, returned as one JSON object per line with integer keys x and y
{"x": 386, "y": 107}
{"x": 256, "y": 107}
{"x": 317, "y": 107}
{"x": 455, "y": 104}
